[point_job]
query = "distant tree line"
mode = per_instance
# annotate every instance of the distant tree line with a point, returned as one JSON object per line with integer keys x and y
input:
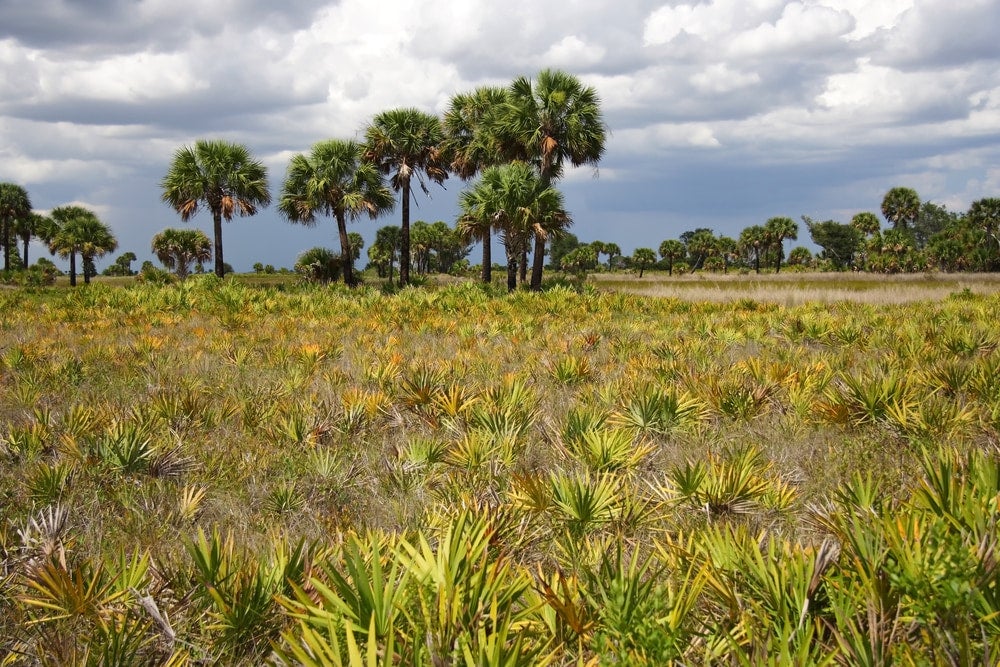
{"x": 483, "y": 133}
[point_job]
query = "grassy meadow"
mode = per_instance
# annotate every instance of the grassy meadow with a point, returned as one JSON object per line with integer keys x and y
{"x": 729, "y": 470}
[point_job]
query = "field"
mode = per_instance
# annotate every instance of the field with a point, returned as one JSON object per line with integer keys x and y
{"x": 731, "y": 471}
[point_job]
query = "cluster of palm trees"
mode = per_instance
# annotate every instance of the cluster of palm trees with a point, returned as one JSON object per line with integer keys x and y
{"x": 68, "y": 231}
{"x": 519, "y": 139}
{"x": 701, "y": 248}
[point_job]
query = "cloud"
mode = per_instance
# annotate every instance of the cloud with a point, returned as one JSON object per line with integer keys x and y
{"x": 819, "y": 105}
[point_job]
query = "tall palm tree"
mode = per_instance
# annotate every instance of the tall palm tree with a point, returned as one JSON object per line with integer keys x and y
{"x": 701, "y": 245}
{"x": 335, "y": 179}
{"x": 901, "y": 206}
{"x": 777, "y": 231}
{"x": 406, "y": 143}
{"x": 672, "y": 250}
{"x": 752, "y": 241}
{"x": 15, "y": 205}
{"x": 220, "y": 175}
{"x": 512, "y": 199}
{"x": 643, "y": 257}
{"x": 553, "y": 120}
{"x": 31, "y": 225}
{"x": 179, "y": 248}
{"x": 78, "y": 230}
{"x": 473, "y": 142}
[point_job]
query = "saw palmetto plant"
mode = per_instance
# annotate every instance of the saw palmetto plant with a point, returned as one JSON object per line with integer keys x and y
{"x": 217, "y": 473}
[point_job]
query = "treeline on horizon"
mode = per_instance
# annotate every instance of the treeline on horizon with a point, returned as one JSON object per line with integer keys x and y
{"x": 512, "y": 144}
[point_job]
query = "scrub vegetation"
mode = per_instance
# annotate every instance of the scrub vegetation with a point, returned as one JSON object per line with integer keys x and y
{"x": 214, "y": 472}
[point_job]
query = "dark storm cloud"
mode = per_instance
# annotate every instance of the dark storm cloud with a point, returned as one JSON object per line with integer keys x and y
{"x": 114, "y": 26}
{"x": 721, "y": 112}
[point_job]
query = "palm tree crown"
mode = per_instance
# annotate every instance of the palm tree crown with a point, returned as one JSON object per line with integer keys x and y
{"x": 473, "y": 131}
{"x": 406, "y": 143}
{"x": 556, "y": 120}
{"x": 900, "y": 206}
{"x": 336, "y": 180}
{"x": 220, "y": 175}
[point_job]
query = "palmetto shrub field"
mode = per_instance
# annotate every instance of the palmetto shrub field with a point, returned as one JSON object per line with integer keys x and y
{"x": 212, "y": 473}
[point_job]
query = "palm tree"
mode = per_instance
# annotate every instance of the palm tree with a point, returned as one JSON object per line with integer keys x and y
{"x": 901, "y": 206}
{"x": 672, "y": 250}
{"x": 612, "y": 250}
{"x": 387, "y": 245}
{"x": 80, "y": 231}
{"x": 752, "y": 240}
{"x": 218, "y": 174}
{"x": 472, "y": 142}
{"x": 335, "y": 179}
{"x": 643, "y": 257}
{"x": 179, "y": 248}
{"x": 512, "y": 199}
{"x": 553, "y": 121}
{"x": 473, "y": 228}
{"x": 727, "y": 249}
{"x": 776, "y": 231}
{"x": 701, "y": 246}
{"x": 33, "y": 224}
{"x": 984, "y": 214}
{"x": 15, "y": 205}
{"x": 407, "y": 143}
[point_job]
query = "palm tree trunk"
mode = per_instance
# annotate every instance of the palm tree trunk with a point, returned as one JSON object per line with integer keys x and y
{"x": 220, "y": 265}
{"x": 511, "y": 269}
{"x": 27, "y": 239}
{"x": 6, "y": 244}
{"x": 487, "y": 258}
{"x": 538, "y": 260}
{"x": 522, "y": 266}
{"x": 86, "y": 273}
{"x": 72, "y": 269}
{"x": 345, "y": 249}
{"x": 404, "y": 240}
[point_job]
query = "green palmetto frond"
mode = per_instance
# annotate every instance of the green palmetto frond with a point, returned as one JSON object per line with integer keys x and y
{"x": 404, "y": 143}
{"x": 557, "y": 120}
{"x": 471, "y": 140}
{"x": 221, "y": 175}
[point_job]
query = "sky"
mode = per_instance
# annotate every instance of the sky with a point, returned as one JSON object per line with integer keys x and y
{"x": 720, "y": 113}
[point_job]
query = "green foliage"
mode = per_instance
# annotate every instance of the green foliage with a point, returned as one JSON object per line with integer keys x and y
{"x": 492, "y": 478}
{"x": 840, "y": 242}
{"x": 319, "y": 265}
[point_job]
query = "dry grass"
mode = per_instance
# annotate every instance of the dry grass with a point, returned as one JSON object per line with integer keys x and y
{"x": 795, "y": 289}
